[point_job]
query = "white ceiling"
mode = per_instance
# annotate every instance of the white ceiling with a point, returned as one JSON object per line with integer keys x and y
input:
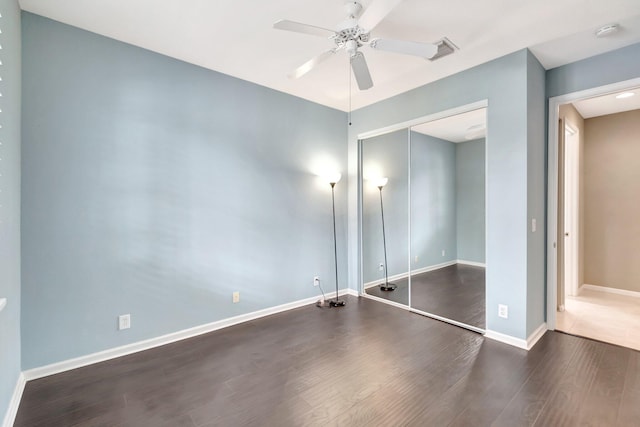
{"x": 459, "y": 128}
{"x": 236, "y": 37}
{"x": 608, "y": 104}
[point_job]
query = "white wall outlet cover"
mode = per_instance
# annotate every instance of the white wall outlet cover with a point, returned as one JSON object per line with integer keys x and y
{"x": 124, "y": 321}
{"x": 316, "y": 281}
{"x": 503, "y": 311}
{"x": 3, "y": 302}
{"x": 381, "y": 266}
{"x": 236, "y": 297}
{"x": 534, "y": 225}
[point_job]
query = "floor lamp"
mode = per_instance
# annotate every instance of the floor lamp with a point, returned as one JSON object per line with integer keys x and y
{"x": 333, "y": 179}
{"x": 380, "y": 183}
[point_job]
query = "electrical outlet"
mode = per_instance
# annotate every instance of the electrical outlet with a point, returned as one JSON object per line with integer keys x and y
{"x": 503, "y": 311}
{"x": 416, "y": 259}
{"x": 443, "y": 252}
{"x": 381, "y": 266}
{"x": 236, "y": 297}
{"x": 534, "y": 225}
{"x": 316, "y": 281}
{"x": 124, "y": 322}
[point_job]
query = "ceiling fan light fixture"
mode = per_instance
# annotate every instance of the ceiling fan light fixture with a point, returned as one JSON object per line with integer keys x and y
{"x": 607, "y": 30}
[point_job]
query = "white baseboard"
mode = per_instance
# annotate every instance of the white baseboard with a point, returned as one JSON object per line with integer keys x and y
{"x": 434, "y": 267}
{"x": 506, "y": 339}
{"x": 112, "y": 353}
{"x": 413, "y": 272}
{"x": 472, "y": 263}
{"x": 609, "y": 290}
{"x": 518, "y": 342}
{"x": 536, "y": 335}
{"x": 348, "y": 291}
{"x": 12, "y": 410}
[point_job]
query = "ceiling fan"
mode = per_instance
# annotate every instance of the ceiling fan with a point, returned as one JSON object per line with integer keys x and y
{"x": 353, "y": 33}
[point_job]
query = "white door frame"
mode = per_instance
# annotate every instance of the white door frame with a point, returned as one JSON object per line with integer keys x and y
{"x": 571, "y": 207}
{"x": 552, "y": 182}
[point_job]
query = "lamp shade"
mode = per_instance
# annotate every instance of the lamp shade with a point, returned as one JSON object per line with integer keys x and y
{"x": 380, "y": 182}
{"x": 333, "y": 178}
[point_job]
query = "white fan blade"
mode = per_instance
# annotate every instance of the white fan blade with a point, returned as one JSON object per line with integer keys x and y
{"x": 297, "y": 27}
{"x": 424, "y": 50}
{"x": 311, "y": 64}
{"x": 361, "y": 71}
{"x": 376, "y": 13}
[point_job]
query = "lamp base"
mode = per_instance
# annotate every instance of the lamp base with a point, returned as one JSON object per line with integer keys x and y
{"x": 337, "y": 303}
{"x": 388, "y": 287}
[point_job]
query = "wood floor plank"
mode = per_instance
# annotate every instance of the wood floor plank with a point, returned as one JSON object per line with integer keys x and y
{"x": 486, "y": 407}
{"x": 563, "y": 405}
{"x": 629, "y": 410}
{"x": 527, "y": 404}
{"x": 603, "y": 399}
{"x": 365, "y": 364}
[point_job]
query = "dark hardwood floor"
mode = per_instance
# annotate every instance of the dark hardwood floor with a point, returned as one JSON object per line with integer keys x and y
{"x": 456, "y": 292}
{"x": 366, "y": 364}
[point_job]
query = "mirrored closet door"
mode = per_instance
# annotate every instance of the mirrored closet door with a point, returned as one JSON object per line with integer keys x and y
{"x": 423, "y": 217}
{"x": 448, "y": 218}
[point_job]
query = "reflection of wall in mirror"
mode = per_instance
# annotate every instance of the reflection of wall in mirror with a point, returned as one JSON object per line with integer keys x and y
{"x": 433, "y": 201}
{"x": 385, "y": 155}
{"x": 447, "y": 201}
{"x": 470, "y": 200}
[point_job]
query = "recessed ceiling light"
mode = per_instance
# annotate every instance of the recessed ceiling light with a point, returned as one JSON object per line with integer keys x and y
{"x": 625, "y": 95}
{"x": 475, "y": 132}
{"x": 607, "y": 30}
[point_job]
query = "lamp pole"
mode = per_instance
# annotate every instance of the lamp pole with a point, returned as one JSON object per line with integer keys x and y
{"x": 386, "y": 286}
{"x": 337, "y": 302}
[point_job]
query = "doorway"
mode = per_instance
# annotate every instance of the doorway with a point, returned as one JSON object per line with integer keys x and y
{"x": 593, "y": 290}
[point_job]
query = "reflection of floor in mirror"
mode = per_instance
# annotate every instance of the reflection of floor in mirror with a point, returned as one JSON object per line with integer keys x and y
{"x": 456, "y": 292}
{"x": 602, "y": 316}
{"x": 399, "y": 295}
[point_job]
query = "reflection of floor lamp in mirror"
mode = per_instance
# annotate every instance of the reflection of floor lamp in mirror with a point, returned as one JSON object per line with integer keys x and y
{"x": 380, "y": 183}
{"x": 332, "y": 181}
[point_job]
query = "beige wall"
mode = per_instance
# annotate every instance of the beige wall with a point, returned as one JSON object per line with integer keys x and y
{"x": 571, "y": 116}
{"x": 612, "y": 201}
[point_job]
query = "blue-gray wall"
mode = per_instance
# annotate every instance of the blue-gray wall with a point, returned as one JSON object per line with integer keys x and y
{"x": 157, "y": 188}
{"x": 536, "y": 194}
{"x": 504, "y": 83}
{"x": 9, "y": 201}
{"x": 385, "y": 155}
{"x": 433, "y": 201}
{"x": 612, "y": 67}
{"x": 470, "y": 200}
